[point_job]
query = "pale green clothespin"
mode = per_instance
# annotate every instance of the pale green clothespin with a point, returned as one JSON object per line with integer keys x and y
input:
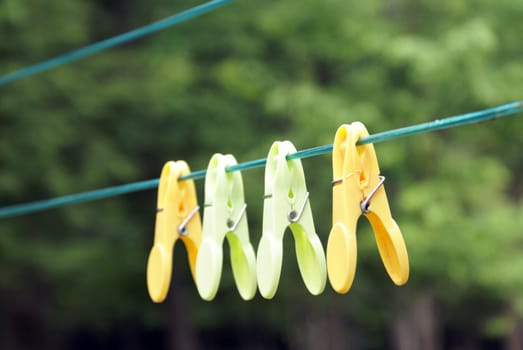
{"x": 286, "y": 203}
{"x": 225, "y": 215}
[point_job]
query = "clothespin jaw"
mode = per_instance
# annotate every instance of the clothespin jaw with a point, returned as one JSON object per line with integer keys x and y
{"x": 358, "y": 189}
{"x": 225, "y": 216}
{"x": 177, "y": 217}
{"x": 286, "y": 203}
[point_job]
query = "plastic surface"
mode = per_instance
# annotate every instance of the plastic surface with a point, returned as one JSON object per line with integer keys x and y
{"x": 225, "y": 216}
{"x": 356, "y": 174}
{"x": 286, "y": 191}
{"x": 176, "y": 200}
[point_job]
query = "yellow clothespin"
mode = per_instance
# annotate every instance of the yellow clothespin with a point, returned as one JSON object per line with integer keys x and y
{"x": 177, "y": 217}
{"x": 225, "y": 215}
{"x": 358, "y": 189}
{"x": 287, "y": 204}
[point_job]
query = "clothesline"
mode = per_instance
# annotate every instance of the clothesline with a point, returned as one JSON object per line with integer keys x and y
{"x": 113, "y": 41}
{"x": 504, "y": 110}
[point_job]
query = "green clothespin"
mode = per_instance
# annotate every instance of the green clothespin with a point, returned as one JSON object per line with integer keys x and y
{"x": 225, "y": 215}
{"x": 287, "y": 204}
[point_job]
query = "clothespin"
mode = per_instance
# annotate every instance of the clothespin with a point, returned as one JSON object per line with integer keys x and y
{"x": 225, "y": 215}
{"x": 358, "y": 189}
{"x": 286, "y": 203}
{"x": 177, "y": 217}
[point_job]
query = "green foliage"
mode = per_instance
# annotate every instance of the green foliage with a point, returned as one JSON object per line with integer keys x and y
{"x": 234, "y": 81}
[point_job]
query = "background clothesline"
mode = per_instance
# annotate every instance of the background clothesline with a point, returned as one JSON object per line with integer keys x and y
{"x": 112, "y": 42}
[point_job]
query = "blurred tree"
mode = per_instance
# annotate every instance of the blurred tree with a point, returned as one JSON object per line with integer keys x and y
{"x": 235, "y": 81}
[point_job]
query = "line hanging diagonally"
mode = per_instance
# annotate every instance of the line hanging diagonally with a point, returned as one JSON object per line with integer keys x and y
{"x": 113, "y": 41}
{"x": 450, "y": 122}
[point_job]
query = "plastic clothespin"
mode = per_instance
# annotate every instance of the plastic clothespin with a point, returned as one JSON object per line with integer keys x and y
{"x": 177, "y": 217}
{"x": 225, "y": 216}
{"x": 287, "y": 204}
{"x": 358, "y": 189}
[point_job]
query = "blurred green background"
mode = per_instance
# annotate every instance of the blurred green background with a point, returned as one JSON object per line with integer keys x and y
{"x": 234, "y": 81}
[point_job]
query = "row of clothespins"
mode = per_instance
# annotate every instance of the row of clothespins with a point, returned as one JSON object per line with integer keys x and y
{"x": 357, "y": 190}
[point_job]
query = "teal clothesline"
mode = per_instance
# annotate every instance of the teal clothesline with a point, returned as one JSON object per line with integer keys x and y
{"x": 113, "y": 41}
{"x": 464, "y": 119}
